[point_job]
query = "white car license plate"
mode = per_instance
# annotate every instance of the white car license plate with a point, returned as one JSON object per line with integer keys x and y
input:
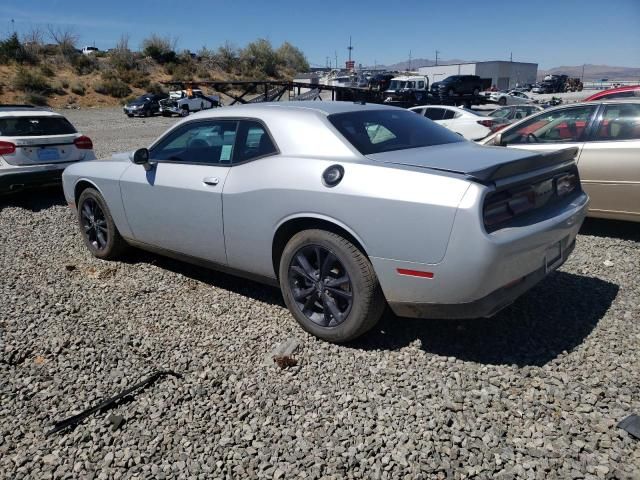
{"x": 48, "y": 154}
{"x": 553, "y": 257}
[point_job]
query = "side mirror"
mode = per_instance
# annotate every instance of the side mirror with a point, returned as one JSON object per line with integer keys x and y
{"x": 497, "y": 140}
{"x": 141, "y": 157}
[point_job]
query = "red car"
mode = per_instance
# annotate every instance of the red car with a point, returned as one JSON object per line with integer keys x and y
{"x": 630, "y": 91}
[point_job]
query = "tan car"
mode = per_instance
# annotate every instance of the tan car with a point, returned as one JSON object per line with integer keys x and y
{"x": 607, "y": 134}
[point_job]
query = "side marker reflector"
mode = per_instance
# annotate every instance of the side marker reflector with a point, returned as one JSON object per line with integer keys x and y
{"x": 414, "y": 273}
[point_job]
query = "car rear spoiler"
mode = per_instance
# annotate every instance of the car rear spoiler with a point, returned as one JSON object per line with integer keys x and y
{"x": 536, "y": 161}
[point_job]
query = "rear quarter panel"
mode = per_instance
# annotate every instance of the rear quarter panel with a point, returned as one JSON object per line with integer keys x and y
{"x": 395, "y": 213}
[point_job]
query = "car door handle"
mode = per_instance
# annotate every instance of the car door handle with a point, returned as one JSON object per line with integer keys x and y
{"x": 213, "y": 181}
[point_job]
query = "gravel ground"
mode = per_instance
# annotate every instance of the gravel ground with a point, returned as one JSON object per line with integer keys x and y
{"x": 534, "y": 393}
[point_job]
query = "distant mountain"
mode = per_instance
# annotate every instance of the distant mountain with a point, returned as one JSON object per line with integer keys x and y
{"x": 594, "y": 73}
{"x": 591, "y": 72}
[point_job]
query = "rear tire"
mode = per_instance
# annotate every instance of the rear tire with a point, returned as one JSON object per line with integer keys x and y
{"x": 337, "y": 296}
{"x": 97, "y": 228}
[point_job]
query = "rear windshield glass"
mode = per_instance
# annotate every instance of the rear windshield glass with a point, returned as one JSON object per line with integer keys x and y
{"x": 376, "y": 131}
{"x": 35, "y": 126}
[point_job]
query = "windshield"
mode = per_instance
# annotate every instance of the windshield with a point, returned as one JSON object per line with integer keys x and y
{"x": 141, "y": 99}
{"x": 376, "y": 131}
{"x": 35, "y": 126}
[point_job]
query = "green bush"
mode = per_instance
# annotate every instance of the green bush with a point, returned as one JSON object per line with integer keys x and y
{"x": 114, "y": 87}
{"x": 155, "y": 88}
{"x": 258, "y": 57}
{"x": 292, "y": 58}
{"x": 65, "y": 83}
{"x": 78, "y": 89}
{"x": 29, "y": 81}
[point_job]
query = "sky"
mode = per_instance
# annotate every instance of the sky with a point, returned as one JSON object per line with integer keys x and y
{"x": 558, "y": 33}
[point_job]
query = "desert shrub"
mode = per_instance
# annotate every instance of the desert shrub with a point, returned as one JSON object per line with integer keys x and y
{"x": 35, "y": 98}
{"x": 226, "y": 58}
{"x": 182, "y": 72}
{"x": 113, "y": 87}
{"x": 64, "y": 83}
{"x": 161, "y": 49}
{"x": 155, "y": 88}
{"x": 84, "y": 64}
{"x": 133, "y": 77}
{"x": 29, "y": 81}
{"x": 57, "y": 88}
{"x": 292, "y": 58}
{"x": 47, "y": 71}
{"x": 78, "y": 89}
{"x": 259, "y": 58}
{"x": 121, "y": 57}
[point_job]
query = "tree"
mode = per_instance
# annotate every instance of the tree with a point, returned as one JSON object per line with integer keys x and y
{"x": 259, "y": 57}
{"x": 65, "y": 38}
{"x": 292, "y": 57}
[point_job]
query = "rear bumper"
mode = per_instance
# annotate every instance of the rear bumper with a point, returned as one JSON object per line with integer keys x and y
{"x": 481, "y": 272}
{"x": 483, "y": 307}
{"x": 15, "y": 179}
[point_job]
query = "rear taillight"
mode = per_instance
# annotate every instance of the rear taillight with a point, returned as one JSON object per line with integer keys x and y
{"x": 566, "y": 184}
{"x": 505, "y": 206}
{"x": 7, "y": 148}
{"x": 83, "y": 143}
{"x": 486, "y": 123}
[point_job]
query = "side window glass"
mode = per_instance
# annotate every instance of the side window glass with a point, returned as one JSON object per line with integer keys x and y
{"x": 448, "y": 115}
{"x": 557, "y": 126}
{"x": 420, "y": 84}
{"x": 253, "y": 141}
{"x": 620, "y": 122}
{"x": 434, "y": 113}
{"x": 198, "y": 142}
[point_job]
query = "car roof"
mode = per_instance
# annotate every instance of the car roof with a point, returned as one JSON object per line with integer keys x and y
{"x": 626, "y": 88}
{"x": 321, "y": 107}
{"x": 26, "y": 111}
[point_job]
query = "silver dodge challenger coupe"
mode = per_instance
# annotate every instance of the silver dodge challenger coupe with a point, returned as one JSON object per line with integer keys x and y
{"x": 346, "y": 207}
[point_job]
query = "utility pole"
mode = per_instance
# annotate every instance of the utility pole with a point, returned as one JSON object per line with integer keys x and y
{"x": 437, "y": 52}
{"x": 582, "y": 79}
{"x": 336, "y": 54}
{"x": 350, "y": 47}
{"x": 409, "y": 60}
{"x": 511, "y": 57}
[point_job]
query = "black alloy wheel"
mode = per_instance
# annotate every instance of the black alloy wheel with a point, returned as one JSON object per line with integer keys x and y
{"x": 321, "y": 285}
{"x": 98, "y": 230}
{"x": 94, "y": 224}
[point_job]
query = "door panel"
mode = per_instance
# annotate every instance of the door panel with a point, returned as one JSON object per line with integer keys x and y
{"x": 610, "y": 173}
{"x": 172, "y": 208}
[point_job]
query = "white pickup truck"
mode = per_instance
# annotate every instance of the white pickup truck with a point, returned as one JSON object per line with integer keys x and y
{"x": 183, "y": 102}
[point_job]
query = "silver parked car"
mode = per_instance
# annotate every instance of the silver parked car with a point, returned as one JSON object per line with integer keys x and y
{"x": 343, "y": 206}
{"x": 36, "y": 145}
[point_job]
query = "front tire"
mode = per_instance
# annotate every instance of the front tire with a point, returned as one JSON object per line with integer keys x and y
{"x": 329, "y": 286}
{"x": 97, "y": 228}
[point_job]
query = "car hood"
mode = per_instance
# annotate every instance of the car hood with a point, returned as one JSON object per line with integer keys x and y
{"x": 481, "y": 163}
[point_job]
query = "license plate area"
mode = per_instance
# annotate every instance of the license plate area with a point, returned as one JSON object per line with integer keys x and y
{"x": 48, "y": 154}
{"x": 553, "y": 257}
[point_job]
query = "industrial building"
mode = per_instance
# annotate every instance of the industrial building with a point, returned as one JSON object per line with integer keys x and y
{"x": 503, "y": 74}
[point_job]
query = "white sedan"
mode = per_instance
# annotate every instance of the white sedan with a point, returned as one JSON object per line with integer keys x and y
{"x": 471, "y": 125}
{"x": 512, "y": 97}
